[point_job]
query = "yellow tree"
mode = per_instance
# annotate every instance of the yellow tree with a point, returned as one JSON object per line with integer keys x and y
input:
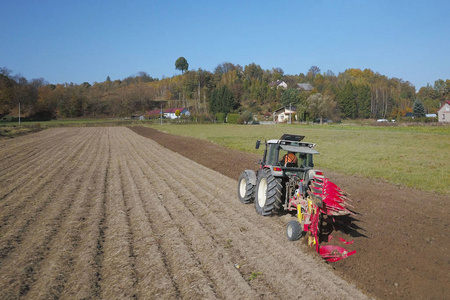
{"x": 320, "y": 106}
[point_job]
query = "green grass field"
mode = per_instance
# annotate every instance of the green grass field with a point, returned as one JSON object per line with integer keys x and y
{"x": 413, "y": 156}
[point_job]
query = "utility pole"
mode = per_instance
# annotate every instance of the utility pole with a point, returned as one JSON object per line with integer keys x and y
{"x": 199, "y": 104}
{"x": 161, "y": 114}
{"x": 19, "y": 114}
{"x": 290, "y": 113}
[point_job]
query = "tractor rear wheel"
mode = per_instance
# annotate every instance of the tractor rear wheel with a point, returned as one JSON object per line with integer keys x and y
{"x": 294, "y": 230}
{"x": 246, "y": 188}
{"x": 268, "y": 193}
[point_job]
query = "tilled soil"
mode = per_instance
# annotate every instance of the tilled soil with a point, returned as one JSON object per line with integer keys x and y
{"x": 105, "y": 213}
{"x": 401, "y": 234}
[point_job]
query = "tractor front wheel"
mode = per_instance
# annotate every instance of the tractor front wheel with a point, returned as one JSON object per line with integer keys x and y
{"x": 246, "y": 190}
{"x": 268, "y": 193}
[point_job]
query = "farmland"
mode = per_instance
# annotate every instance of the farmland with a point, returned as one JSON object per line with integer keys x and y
{"x": 397, "y": 154}
{"x": 400, "y": 233}
{"x": 105, "y": 213}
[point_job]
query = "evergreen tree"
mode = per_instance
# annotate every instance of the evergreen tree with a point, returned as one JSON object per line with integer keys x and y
{"x": 418, "y": 110}
{"x": 290, "y": 96}
{"x": 363, "y": 95}
{"x": 348, "y": 101}
{"x": 222, "y": 100}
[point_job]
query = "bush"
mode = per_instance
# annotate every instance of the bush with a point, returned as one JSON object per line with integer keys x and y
{"x": 232, "y": 118}
{"x": 245, "y": 117}
{"x": 8, "y": 119}
{"x": 201, "y": 118}
{"x": 418, "y": 120}
{"x": 220, "y": 117}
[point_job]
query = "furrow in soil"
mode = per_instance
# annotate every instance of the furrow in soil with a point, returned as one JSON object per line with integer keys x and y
{"x": 241, "y": 230}
{"x": 20, "y": 188}
{"x": 218, "y": 268}
{"x": 105, "y": 213}
{"x": 33, "y": 240}
{"x": 117, "y": 274}
{"x": 73, "y": 241}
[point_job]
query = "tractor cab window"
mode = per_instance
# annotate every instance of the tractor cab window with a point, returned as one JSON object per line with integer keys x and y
{"x": 288, "y": 159}
{"x": 272, "y": 154}
{"x": 306, "y": 160}
{"x": 295, "y": 159}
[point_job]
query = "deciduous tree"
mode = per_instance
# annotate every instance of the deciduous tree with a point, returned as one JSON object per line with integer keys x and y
{"x": 181, "y": 64}
{"x": 320, "y": 107}
{"x": 313, "y": 71}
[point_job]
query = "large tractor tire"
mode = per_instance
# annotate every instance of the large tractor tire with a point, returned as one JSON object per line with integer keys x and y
{"x": 246, "y": 186}
{"x": 268, "y": 193}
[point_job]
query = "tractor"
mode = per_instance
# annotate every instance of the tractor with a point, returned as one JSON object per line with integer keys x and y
{"x": 286, "y": 181}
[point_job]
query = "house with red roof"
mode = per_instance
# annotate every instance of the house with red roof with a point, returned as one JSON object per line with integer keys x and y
{"x": 170, "y": 113}
{"x": 154, "y": 113}
{"x": 444, "y": 113}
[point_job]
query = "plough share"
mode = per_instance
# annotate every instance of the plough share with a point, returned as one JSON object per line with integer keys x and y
{"x": 321, "y": 200}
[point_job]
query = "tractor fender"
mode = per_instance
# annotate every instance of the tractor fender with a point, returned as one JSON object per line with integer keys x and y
{"x": 310, "y": 175}
{"x": 251, "y": 176}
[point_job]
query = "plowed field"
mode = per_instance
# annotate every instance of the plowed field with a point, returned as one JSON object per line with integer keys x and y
{"x": 107, "y": 213}
{"x": 401, "y": 234}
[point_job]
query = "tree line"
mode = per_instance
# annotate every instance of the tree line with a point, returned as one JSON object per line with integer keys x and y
{"x": 230, "y": 88}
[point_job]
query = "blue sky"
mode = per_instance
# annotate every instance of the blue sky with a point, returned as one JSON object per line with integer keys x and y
{"x": 77, "y": 41}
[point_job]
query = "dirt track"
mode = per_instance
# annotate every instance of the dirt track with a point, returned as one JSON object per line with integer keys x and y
{"x": 402, "y": 235}
{"x": 106, "y": 213}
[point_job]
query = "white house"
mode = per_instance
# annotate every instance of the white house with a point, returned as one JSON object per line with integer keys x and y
{"x": 171, "y": 112}
{"x": 278, "y": 84}
{"x": 282, "y": 114}
{"x": 444, "y": 113}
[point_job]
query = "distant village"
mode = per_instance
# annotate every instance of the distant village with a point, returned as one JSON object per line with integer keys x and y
{"x": 285, "y": 114}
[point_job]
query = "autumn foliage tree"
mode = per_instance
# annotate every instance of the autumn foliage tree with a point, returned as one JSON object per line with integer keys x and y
{"x": 320, "y": 106}
{"x": 230, "y": 88}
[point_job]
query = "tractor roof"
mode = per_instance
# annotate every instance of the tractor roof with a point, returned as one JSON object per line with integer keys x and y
{"x": 292, "y": 143}
{"x": 300, "y": 148}
{"x": 292, "y": 137}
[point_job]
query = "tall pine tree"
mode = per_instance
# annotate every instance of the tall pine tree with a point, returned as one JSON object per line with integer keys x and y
{"x": 348, "y": 101}
{"x": 222, "y": 100}
{"x": 418, "y": 110}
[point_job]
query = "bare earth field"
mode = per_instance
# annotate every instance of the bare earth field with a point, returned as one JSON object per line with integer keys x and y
{"x": 107, "y": 213}
{"x": 401, "y": 236}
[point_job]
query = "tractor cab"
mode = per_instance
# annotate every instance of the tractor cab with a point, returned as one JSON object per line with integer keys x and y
{"x": 288, "y": 156}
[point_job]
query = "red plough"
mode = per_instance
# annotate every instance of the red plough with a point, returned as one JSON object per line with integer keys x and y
{"x": 323, "y": 200}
